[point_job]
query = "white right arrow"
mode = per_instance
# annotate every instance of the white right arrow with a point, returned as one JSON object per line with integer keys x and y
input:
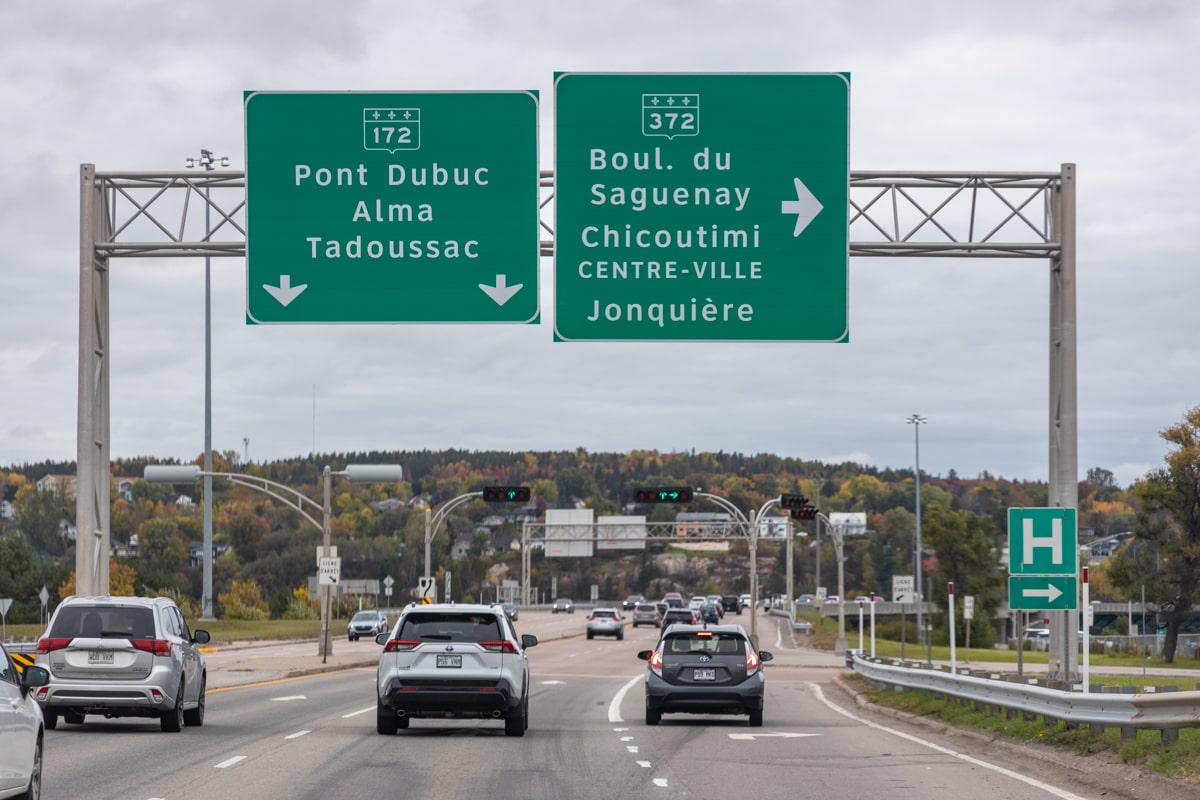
{"x": 805, "y": 207}
{"x": 284, "y": 292}
{"x": 1050, "y": 593}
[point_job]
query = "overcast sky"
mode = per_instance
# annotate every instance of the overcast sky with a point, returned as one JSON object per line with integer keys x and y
{"x": 1014, "y": 86}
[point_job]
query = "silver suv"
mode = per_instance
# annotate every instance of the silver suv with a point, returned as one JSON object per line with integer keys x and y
{"x": 449, "y": 660}
{"x": 122, "y": 657}
{"x": 366, "y": 623}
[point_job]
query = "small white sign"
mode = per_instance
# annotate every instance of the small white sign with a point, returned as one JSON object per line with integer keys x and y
{"x": 329, "y": 571}
{"x": 902, "y": 589}
{"x": 969, "y": 607}
{"x": 321, "y": 552}
{"x": 5, "y": 604}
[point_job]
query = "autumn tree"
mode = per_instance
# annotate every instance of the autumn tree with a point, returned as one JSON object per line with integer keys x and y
{"x": 967, "y": 552}
{"x": 1164, "y": 555}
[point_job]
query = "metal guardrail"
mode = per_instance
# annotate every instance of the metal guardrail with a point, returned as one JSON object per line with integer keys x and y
{"x": 1167, "y": 711}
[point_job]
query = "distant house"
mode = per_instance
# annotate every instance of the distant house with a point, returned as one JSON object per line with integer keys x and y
{"x": 184, "y": 501}
{"x": 7, "y": 510}
{"x": 774, "y": 525}
{"x": 124, "y": 488}
{"x": 63, "y": 484}
{"x": 390, "y": 504}
{"x": 462, "y": 546}
{"x": 67, "y": 529}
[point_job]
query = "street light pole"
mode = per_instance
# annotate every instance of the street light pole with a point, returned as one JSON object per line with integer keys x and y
{"x": 355, "y": 473}
{"x": 916, "y": 420}
{"x": 206, "y": 162}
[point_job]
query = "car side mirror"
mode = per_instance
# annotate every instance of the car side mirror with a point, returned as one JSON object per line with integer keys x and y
{"x": 765, "y": 655}
{"x": 34, "y": 676}
{"x": 644, "y": 655}
{"x": 201, "y": 637}
{"x": 528, "y": 640}
{"x": 382, "y": 638}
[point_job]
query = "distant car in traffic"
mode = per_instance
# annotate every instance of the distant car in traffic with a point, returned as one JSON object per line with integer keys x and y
{"x": 368, "y": 623}
{"x": 710, "y": 613}
{"x": 632, "y": 601}
{"x": 684, "y": 616}
{"x": 511, "y": 609}
{"x": 731, "y": 602}
{"x": 605, "y": 622}
{"x": 646, "y": 614}
{"x": 563, "y": 605}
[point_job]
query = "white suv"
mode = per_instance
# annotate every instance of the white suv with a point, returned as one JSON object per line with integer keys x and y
{"x": 450, "y": 660}
{"x": 122, "y": 657}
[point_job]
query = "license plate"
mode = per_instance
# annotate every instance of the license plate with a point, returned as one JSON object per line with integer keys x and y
{"x": 100, "y": 656}
{"x": 704, "y": 675}
{"x": 449, "y": 661}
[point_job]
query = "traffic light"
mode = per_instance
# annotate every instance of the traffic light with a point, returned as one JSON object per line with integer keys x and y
{"x": 664, "y": 494}
{"x": 792, "y": 501}
{"x": 805, "y": 511}
{"x": 506, "y": 494}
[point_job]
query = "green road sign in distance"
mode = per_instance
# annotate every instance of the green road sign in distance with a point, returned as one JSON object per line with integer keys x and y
{"x": 1042, "y": 541}
{"x": 391, "y": 207}
{"x": 694, "y": 207}
{"x": 1043, "y": 592}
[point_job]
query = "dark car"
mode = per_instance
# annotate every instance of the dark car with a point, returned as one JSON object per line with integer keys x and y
{"x": 712, "y": 669}
{"x": 679, "y": 616}
{"x": 632, "y": 601}
{"x": 731, "y": 602}
{"x": 564, "y": 605}
{"x": 710, "y": 613}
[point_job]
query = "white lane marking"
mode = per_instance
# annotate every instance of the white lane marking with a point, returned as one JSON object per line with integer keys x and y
{"x": 660, "y": 782}
{"x": 1054, "y": 790}
{"x": 614, "y": 708}
{"x": 633, "y": 748}
{"x": 626, "y": 738}
{"x": 366, "y": 710}
{"x": 297, "y": 735}
{"x": 749, "y": 737}
{"x": 229, "y": 762}
{"x": 553, "y": 683}
{"x": 620, "y": 730}
{"x": 645, "y": 764}
{"x": 288, "y": 699}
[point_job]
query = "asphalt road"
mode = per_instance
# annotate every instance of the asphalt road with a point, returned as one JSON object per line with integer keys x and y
{"x": 313, "y": 736}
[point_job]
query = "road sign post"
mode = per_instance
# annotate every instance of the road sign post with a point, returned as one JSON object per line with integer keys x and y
{"x": 694, "y": 207}
{"x": 391, "y": 207}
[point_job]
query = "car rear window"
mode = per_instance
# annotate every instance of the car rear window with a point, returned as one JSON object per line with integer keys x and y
{"x": 110, "y": 622}
{"x": 714, "y": 642}
{"x": 435, "y": 627}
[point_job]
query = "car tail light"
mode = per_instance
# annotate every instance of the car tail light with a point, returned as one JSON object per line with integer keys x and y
{"x": 399, "y": 645}
{"x": 499, "y": 647}
{"x": 158, "y": 647}
{"x": 590, "y": 618}
{"x": 656, "y": 663}
{"x": 752, "y": 662}
{"x": 48, "y": 645}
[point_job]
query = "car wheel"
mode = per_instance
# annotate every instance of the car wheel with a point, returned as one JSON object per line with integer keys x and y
{"x": 73, "y": 717}
{"x": 34, "y": 790}
{"x": 50, "y": 719}
{"x": 172, "y": 721}
{"x": 620, "y": 635}
{"x": 386, "y": 721}
{"x": 653, "y": 716}
{"x": 590, "y": 635}
{"x": 756, "y": 718}
{"x": 195, "y": 716}
{"x": 516, "y": 723}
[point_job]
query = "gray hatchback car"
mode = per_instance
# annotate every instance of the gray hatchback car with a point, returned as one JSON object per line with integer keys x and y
{"x": 705, "y": 669}
{"x": 122, "y": 657}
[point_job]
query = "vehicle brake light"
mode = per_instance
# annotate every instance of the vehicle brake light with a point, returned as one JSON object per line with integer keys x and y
{"x": 656, "y": 662}
{"x": 158, "y": 647}
{"x": 499, "y": 647}
{"x": 399, "y": 645}
{"x": 751, "y": 661}
{"x": 47, "y": 645}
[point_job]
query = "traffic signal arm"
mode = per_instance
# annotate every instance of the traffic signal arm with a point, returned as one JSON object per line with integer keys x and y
{"x": 506, "y": 494}
{"x": 664, "y": 494}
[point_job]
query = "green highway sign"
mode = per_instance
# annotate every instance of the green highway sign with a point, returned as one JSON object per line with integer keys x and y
{"x": 1043, "y": 592}
{"x": 1042, "y": 541}
{"x": 391, "y": 207}
{"x": 701, "y": 207}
